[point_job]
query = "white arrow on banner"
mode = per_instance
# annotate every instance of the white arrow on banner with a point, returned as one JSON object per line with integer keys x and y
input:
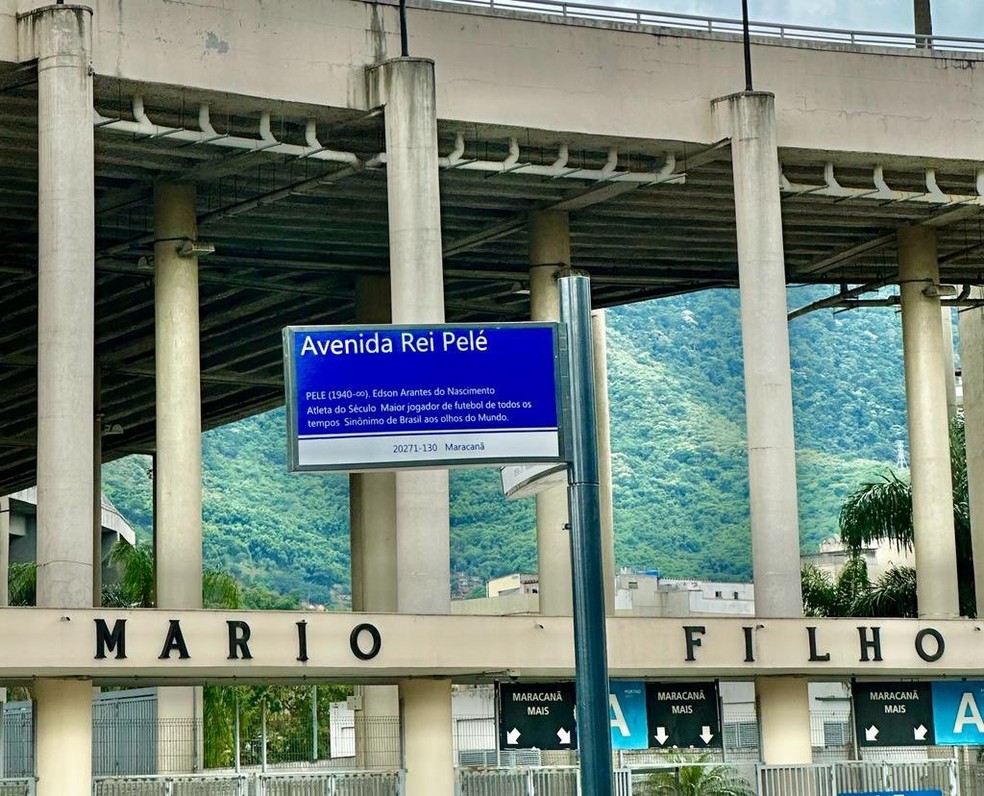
{"x": 919, "y": 733}
{"x": 706, "y": 734}
{"x": 661, "y": 735}
{"x": 871, "y": 734}
{"x": 512, "y": 737}
{"x": 564, "y": 736}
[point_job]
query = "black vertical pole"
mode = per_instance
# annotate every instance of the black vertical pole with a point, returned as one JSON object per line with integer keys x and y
{"x": 404, "y": 41}
{"x": 747, "y": 45}
{"x": 922, "y": 14}
{"x": 590, "y": 652}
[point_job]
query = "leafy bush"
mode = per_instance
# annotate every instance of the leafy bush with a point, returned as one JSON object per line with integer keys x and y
{"x": 697, "y": 775}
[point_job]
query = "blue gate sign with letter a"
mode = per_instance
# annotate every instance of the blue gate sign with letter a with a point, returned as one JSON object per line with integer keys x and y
{"x": 627, "y": 712}
{"x": 958, "y": 712}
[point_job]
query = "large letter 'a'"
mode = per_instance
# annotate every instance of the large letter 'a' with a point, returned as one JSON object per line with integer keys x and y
{"x": 174, "y": 641}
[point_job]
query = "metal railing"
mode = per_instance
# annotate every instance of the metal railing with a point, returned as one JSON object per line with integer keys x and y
{"x": 17, "y": 787}
{"x": 173, "y": 785}
{"x": 950, "y": 777}
{"x": 741, "y": 779}
{"x": 337, "y": 783}
{"x": 537, "y": 781}
{"x": 728, "y": 26}
{"x": 970, "y": 779}
{"x": 830, "y": 779}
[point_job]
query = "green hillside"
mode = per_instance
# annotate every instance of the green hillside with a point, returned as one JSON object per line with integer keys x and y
{"x": 681, "y": 481}
{"x": 681, "y": 492}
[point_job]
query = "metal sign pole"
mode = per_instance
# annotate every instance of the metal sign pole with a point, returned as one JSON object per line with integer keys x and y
{"x": 590, "y": 653}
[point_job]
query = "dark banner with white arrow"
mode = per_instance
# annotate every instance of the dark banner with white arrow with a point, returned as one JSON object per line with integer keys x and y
{"x": 683, "y": 715}
{"x": 537, "y": 716}
{"x": 893, "y": 714}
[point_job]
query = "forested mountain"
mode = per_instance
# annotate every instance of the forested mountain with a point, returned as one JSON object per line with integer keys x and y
{"x": 681, "y": 490}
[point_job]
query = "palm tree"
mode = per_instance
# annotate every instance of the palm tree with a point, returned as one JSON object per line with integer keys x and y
{"x": 135, "y": 589}
{"x": 894, "y": 594}
{"x": 135, "y": 565}
{"x": 22, "y": 581}
{"x": 822, "y": 596}
{"x": 698, "y": 775}
{"x": 882, "y": 510}
{"x": 852, "y": 594}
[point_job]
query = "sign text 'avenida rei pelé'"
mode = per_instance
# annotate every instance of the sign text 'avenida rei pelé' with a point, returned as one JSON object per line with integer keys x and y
{"x": 410, "y": 396}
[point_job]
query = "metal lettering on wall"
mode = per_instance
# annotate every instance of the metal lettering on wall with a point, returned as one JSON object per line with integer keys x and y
{"x": 151, "y": 645}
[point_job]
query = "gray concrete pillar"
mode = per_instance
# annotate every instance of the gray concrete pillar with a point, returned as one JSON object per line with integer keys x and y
{"x": 178, "y": 477}
{"x": 949, "y": 364}
{"x": 63, "y": 729}
{"x": 4, "y": 593}
{"x": 550, "y": 251}
{"x": 4, "y": 551}
{"x": 972, "y": 365}
{"x": 749, "y": 120}
{"x": 97, "y": 552}
{"x": 783, "y": 702}
{"x": 765, "y": 347}
{"x": 372, "y": 525}
{"x": 372, "y": 496}
{"x": 929, "y": 444}
{"x": 372, "y": 511}
{"x": 405, "y": 87}
{"x": 66, "y": 306}
{"x": 599, "y": 340}
{"x": 62, "y": 38}
{"x": 178, "y": 473}
{"x": 428, "y": 741}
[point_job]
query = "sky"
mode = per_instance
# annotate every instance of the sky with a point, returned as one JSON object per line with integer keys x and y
{"x": 950, "y": 17}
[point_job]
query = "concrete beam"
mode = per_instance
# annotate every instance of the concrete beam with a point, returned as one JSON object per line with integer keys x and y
{"x": 64, "y": 643}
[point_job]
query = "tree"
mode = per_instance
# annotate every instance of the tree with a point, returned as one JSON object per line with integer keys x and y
{"x": 22, "y": 580}
{"x": 823, "y": 596}
{"x": 135, "y": 588}
{"x": 894, "y": 594}
{"x": 852, "y": 594}
{"x": 135, "y": 565}
{"x": 882, "y": 510}
{"x": 697, "y": 775}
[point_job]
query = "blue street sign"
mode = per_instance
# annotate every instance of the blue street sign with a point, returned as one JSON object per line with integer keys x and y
{"x": 892, "y": 793}
{"x": 627, "y": 712}
{"x": 958, "y": 712}
{"x": 422, "y": 396}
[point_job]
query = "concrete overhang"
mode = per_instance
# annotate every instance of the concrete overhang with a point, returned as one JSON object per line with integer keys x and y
{"x": 113, "y": 523}
{"x": 293, "y": 233}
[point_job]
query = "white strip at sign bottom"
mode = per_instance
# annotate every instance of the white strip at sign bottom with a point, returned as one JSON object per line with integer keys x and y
{"x": 405, "y": 450}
